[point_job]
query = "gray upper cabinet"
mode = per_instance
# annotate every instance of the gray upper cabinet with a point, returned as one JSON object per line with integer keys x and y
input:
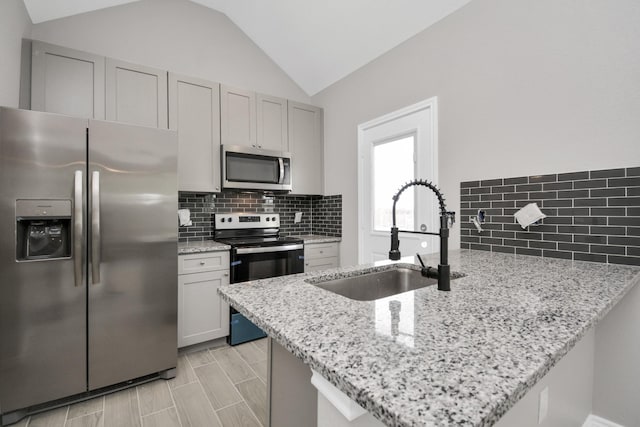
{"x": 194, "y": 111}
{"x": 237, "y": 116}
{"x": 204, "y": 113}
{"x": 306, "y": 146}
{"x": 136, "y": 94}
{"x": 67, "y": 81}
{"x": 272, "y": 123}
{"x": 252, "y": 119}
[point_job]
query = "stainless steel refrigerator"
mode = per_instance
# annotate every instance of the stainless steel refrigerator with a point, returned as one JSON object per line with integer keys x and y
{"x": 88, "y": 257}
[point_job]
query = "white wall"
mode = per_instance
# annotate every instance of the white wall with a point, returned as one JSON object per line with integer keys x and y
{"x": 524, "y": 87}
{"x": 616, "y": 394}
{"x": 14, "y": 25}
{"x": 175, "y": 35}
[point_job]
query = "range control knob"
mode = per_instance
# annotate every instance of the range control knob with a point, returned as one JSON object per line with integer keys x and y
{"x": 273, "y": 218}
{"x": 221, "y": 219}
{"x": 267, "y": 219}
{"x": 230, "y": 219}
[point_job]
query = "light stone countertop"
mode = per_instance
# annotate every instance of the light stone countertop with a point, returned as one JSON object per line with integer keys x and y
{"x": 455, "y": 358}
{"x": 186, "y": 248}
{"x": 316, "y": 238}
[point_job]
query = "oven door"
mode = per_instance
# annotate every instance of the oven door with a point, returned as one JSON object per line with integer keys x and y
{"x": 253, "y": 263}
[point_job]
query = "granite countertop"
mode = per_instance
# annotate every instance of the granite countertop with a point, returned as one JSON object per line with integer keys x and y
{"x": 185, "y": 248}
{"x": 454, "y": 358}
{"x": 316, "y": 238}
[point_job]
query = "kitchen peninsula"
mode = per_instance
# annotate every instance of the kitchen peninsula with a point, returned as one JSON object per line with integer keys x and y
{"x": 463, "y": 357}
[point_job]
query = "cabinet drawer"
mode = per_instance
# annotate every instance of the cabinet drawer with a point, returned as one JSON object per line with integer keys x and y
{"x": 208, "y": 261}
{"x": 320, "y": 264}
{"x": 321, "y": 250}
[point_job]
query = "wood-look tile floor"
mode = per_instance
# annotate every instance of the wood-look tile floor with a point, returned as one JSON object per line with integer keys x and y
{"x": 215, "y": 387}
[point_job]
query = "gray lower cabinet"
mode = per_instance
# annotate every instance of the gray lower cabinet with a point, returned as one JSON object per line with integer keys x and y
{"x": 136, "y": 94}
{"x": 194, "y": 112}
{"x": 321, "y": 256}
{"x": 292, "y": 399}
{"x": 67, "y": 81}
{"x": 306, "y": 146}
{"x": 202, "y": 314}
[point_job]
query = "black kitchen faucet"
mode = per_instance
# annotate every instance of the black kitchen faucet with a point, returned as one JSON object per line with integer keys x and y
{"x": 443, "y": 273}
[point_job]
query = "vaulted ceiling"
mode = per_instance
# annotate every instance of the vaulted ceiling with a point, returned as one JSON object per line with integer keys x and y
{"x": 316, "y": 42}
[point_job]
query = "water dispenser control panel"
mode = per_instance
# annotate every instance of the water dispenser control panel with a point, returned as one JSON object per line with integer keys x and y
{"x": 43, "y": 229}
{"x": 29, "y": 209}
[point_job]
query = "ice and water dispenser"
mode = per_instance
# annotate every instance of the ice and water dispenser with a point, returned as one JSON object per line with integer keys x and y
{"x": 43, "y": 229}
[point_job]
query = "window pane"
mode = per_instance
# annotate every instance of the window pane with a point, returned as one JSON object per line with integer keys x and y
{"x": 393, "y": 166}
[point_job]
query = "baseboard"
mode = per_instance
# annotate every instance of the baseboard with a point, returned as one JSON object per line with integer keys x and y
{"x": 595, "y": 421}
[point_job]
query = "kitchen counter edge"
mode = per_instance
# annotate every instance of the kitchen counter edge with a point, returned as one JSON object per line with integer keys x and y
{"x": 187, "y": 248}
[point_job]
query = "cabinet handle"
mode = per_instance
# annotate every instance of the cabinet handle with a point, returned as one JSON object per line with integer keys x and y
{"x": 321, "y": 252}
{"x": 226, "y": 274}
{"x": 202, "y": 262}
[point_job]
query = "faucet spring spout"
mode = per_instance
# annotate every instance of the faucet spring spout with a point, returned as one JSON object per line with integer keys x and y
{"x": 447, "y": 219}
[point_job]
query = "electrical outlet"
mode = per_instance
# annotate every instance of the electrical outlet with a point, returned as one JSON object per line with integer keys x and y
{"x": 543, "y": 407}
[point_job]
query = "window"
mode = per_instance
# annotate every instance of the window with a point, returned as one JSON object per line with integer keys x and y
{"x": 393, "y": 165}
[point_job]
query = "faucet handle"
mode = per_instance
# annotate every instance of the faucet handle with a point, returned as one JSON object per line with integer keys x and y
{"x": 394, "y": 252}
{"x": 451, "y": 219}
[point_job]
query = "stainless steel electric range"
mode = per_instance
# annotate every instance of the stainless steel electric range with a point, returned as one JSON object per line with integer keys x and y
{"x": 257, "y": 252}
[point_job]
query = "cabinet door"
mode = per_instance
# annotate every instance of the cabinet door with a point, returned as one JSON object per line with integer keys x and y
{"x": 136, "y": 94}
{"x": 272, "y": 123}
{"x": 194, "y": 111}
{"x": 237, "y": 116}
{"x": 67, "y": 81}
{"x": 305, "y": 144}
{"x": 202, "y": 314}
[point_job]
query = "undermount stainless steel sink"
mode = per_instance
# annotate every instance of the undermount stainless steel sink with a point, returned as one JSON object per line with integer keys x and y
{"x": 370, "y": 286}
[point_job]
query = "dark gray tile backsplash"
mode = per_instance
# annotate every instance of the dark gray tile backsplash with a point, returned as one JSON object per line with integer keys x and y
{"x": 591, "y": 215}
{"x": 326, "y": 215}
{"x": 320, "y": 214}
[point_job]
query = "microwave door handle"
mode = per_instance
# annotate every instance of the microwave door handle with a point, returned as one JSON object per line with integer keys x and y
{"x": 281, "y": 163}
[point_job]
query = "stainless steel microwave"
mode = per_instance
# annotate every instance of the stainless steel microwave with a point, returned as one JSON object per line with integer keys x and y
{"x": 247, "y": 168}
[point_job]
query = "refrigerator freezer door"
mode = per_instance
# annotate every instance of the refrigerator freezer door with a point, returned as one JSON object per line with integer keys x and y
{"x": 42, "y": 312}
{"x": 133, "y": 307}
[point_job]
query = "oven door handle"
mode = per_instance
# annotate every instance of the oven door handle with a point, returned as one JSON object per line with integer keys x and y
{"x": 267, "y": 249}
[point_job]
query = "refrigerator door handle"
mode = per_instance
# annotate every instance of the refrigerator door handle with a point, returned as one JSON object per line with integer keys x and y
{"x": 77, "y": 228}
{"x": 95, "y": 227}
